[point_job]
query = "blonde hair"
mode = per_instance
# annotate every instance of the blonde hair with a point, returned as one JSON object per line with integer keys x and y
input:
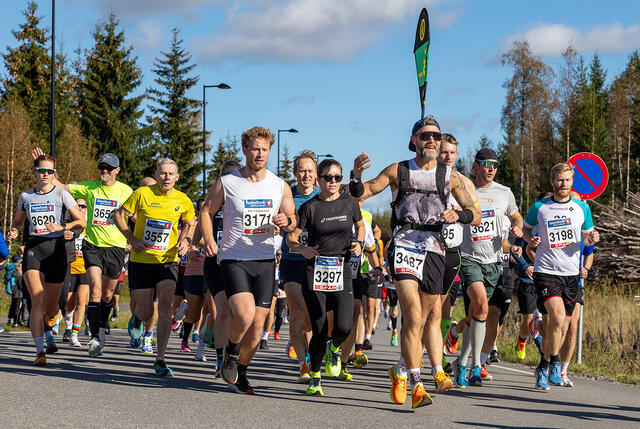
{"x": 304, "y": 154}
{"x": 257, "y": 133}
{"x": 449, "y": 138}
{"x": 561, "y": 168}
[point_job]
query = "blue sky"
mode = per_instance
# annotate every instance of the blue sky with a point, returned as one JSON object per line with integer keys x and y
{"x": 342, "y": 72}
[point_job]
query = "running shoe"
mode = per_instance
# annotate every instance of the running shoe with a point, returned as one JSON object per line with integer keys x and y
{"x": 521, "y": 350}
{"x": 56, "y": 324}
{"x": 486, "y": 375}
{"x": 398, "y": 392}
{"x": 360, "y": 359}
{"x": 229, "y": 369}
{"x": 420, "y": 397}
{"x": 195, "y": 337}
{"x": 175, "y": 325}
{"x": 475, "y": 378}
{"x": 538, "y": 342}
{"x": 40, "y": 360}
{"x": 442, "y": 382}
{"x": 114, "y": 314}
{"x": 305, "y": 374}
{"x": 135, "y": 344}
{"x": 460, "y": 375}
{"x": 332, "y": 359}
{"x": 566, "y": 382}
{"x": 95, "y": 349}
{"x": 555, "y": 376}
{"x": 386, "y": 313}
{"x": 73, "y": 340}
{"x": 542, "y": 379}
{"x": 374, "y": 328}
{"x": 535, "y": 323}
{"x": 207, "y": 334}
{"x": 264, "y": 345}
{"x": 66, "y": 336}
{"x": 344, "y": 374}
{"x": 200, "y": 357}
{"x": 184, "y": 347}
{"x": 447, "y": 368}
{"x": 291, "y": 352}
{"x": 242, "y": 385}
{"x": 135, "y": 331}
{"x": 366, "y": 345}
{"x": 147, "y": 345}
{"x": 161, "y": 369}
{"x": 493, "y": 357}
{"x": 277, "y": 336}
{"x": 315, "y": 387}
{"x": 451, "y": 342}
{"x": 389, "y": 325}
{"x": 51, "y": 345}
{"x": 394, "y": 339}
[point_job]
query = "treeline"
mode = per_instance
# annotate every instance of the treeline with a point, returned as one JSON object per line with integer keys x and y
{"x": 99, "y": 107}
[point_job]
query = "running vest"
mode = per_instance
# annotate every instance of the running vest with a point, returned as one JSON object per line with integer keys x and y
{"x": 420, "y": 199}
{"x": 248, "y": 210}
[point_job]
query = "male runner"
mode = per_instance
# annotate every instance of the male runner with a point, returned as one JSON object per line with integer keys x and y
{"x": 155, "y": 246}
{"x": 421, "y": 191}
{"x": 254, "y": 200}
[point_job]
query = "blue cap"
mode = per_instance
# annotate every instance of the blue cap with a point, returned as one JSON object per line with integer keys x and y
{"x": 109, "y": 159}
{"x": 424, "y": 122}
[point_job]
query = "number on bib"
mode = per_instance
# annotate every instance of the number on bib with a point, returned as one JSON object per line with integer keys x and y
{"x": 327, "y": 274}
{"x": 487, "y": 228}
{"x": 40, "y": 215}
{"x": 304, "y": 240}
{"x": 408, "y": 261}
{"x": 78, "y": 245}
{"x": 103, "y": 211}
{"x": 156, "y": 234}
{"x": 256, "y": 217}
{"x": 560, "y": 233}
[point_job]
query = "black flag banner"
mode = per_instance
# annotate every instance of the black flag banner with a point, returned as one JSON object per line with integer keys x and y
{"x": 421, "y": 52}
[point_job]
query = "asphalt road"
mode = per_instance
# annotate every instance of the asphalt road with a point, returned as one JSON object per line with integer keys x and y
{"x": 120, "y": 389}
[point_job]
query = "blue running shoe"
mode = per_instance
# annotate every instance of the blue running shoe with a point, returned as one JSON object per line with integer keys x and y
{"x": 147, "y": 346}
{"x": 460, "y": 375}
{"x": 538, "y": 341}
{"x": 555, "y": 376}
{"x": 134, "y": 343}
{"x": 476, "y": 376}
{"x": 135, "y": 331}
{"x": 195, "y": 337}
{"x": 542, "y": 379}
{"x": 161, "y": 369}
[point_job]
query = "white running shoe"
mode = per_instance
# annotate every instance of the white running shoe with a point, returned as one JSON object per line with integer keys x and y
{"x": 73, "y": 341}
{"x": 566, "y": 382}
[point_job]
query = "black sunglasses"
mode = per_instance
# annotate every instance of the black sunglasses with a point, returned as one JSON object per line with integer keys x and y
{"x": 82, "y": 206}
{"x": 426, "y": 136}
{"x": 328, "y": 177}
{"x": 106, "y": 167}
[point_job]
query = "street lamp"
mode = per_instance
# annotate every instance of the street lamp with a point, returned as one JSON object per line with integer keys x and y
{"x": 221, "y": 85}
{"x": 323, "y": 156}
{"x": 53, "y": 78}
{"x": 291, "y": 130}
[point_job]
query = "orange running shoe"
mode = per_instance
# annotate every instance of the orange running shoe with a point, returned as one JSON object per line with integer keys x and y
{"x": 451, "y": 342}
{"x": 420, "y": 397}
{"x": 291, "y": 352}
{"x": 305, "y": 374}
{"x": 485, "y": 375}
{"x": 398, "y": 390}
{"x": 442, "y": 382}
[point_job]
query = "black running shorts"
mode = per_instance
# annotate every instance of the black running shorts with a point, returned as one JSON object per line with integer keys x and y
{"x": 432, "y": 273}
{"x": 109, "y": 259}
{"x": 255, "y": 277}
{"x": 147, "y": 276}
{"x": 548, "y": 286}
{"x": 49, "y": 256}
{"x": 213, "y": 275}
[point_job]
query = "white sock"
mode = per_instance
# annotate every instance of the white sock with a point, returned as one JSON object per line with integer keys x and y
{"x": 265, "y": 335}
{"x": 39, "y": 344}
{"x": 453, "y": 331}
{"x": 375, "y": 326}
{"x": 367, "y": 337}
{"x": 563, "y": 367}
{"x": 483, "y": 358}
{"x": 436, "y": 368}
{"x": 68, "y": 319}
{"x": 494, "y": 348}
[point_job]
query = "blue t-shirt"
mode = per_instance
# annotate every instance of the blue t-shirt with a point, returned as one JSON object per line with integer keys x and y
{"x": 4, "y": 250}
{"x": 298, "y": 200}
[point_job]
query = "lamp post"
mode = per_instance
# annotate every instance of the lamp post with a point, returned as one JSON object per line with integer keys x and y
{"x": 53, "y": 77}
{"x": 290, "y": 130}
{"x": 221, "y": 85}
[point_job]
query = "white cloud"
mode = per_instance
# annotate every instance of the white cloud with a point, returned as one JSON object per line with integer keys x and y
{"x": 151, "y": 34}
{"x": 150, "y": 7}
{"x": 552, "y": 39}
{"x": 299, "y": 30}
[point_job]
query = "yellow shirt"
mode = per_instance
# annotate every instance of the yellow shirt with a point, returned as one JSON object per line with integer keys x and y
{"x": 157, "y": 218}
{"x": 77, "y": 266}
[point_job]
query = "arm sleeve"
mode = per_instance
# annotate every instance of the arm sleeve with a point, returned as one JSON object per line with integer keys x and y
{"x": 78, "y": 190}
{"x": 588, "y": 250}
{"x": 531, "y": 219}
{"x": 522, "y": 263}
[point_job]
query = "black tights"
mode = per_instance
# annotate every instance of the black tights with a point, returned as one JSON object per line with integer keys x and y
{"x": 280, "y": 304}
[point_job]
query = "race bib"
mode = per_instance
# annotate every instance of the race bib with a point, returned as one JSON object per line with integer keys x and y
{"x": 327, "y": 274}
{"x": 156, "y": 234}
{"x": 504, "y": 261}
{"x": 408, "y": 261}
{"x": 560, "y": 233}
{"x": 78, "y": 245}
{"x": 487, "y": 228}
{"x": 304, "y": 240}
{"x": 452, "y": 234}
{"x": 103, "y": 210}
{"x": 41, "y": 214}
{"x": 256, "y": 217}
{"x": 354, "y": 263}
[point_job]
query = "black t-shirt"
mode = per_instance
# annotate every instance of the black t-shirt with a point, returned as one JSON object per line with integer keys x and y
{"x": 329, "y": 224}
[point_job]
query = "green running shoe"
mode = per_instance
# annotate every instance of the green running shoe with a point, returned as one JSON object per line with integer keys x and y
{"x": 394, "y": 339}
{"x": 315, "y": 388}
{"x": 161, "y": 369}
{"x": 344, "y": 374}
{"x": 135, "y": 331}
{"x": 333, "y": 363}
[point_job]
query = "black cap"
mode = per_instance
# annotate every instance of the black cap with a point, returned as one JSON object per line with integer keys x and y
{"x": 486, "y": 153}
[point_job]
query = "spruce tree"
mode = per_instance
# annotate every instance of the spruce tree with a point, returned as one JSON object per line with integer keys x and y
{"x": 286, "y": 167}
{"x": 175, "y": 117}
{"x": 109, "y": 111}
{"x": 227, "y": 150}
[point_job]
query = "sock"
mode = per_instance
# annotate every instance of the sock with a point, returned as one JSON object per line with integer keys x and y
{"x": 68, "y": 320}
{"x": 563, "y": 367}
{"x": 334, "y": 348}
{"x": 49, "y": 335}
{"x": 436, "y": 368}
{"x": 187, "y": 330}
{"x": 466, "y": 347}
{"x": 395, "y": 332}
{"x": 196, "y": 332}
{"x": 358, "y": 347}
{"x": 242, "y": 370}
{"x": 75, "y": 329}
{"x": 444, "y": 326}
{"x": 265, "y": 335}
{"x": 394, "y": 323}
{"x": 315, "y": 374}
{"x": 233, "y": 348}
{"x": 93, "y": 317}
{"x": 401, "y": 368}
{"x": 148, "y": 334}
{"x": 105, "y": 310}
{"x": 375, "y": 326}
{"x": 219, "y": 351}
{"x": 483, "y": 358}
{"x": 521, "y": 340}
{"x": 367, "y": 337}
{"x": 478, "y": 331}
{"x": 543, "y": 363}
{"x": 454, "y": 332}
{"x": 554, "y": 359}
{"x": 414, "y": 377}
{"x": 494, "y": 348}
{"x": 39, "y": 344}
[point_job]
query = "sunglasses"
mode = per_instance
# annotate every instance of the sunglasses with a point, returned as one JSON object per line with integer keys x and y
{"x": 426, "y": 136}
{"x": 328, "y": 177}
{"x": 46, "y": 170}
{"x": 106, "y": 167}
{"x": 488, "y": 164}
{"x": 82, "y": 206}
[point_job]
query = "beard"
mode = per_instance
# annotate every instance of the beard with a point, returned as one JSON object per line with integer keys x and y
{"x": 105, "y": 177}
{"x": 428, "y": 154}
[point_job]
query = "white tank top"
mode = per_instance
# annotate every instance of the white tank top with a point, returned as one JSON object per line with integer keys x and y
{"x": 248, "y": 210}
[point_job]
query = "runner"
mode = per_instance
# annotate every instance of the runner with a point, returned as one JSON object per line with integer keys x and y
{"x": 328, "y": 218}
{"x": 253, "y": 201}
{"x": 562, "y": 221}
{"x": 481, "y": 250}
{"x": 417, "y": 256}
{"x": 155, "y": 247}
{"x": 45, "y": 258}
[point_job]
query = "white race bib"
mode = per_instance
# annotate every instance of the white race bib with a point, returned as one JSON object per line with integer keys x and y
{"x": 103, "y": 210}
{"x": 488, "y": 227}
{"x": 560, "y": 233}
{"x": 355, "y": 262}
{"x": 452, "y": 234}
{"x": 78, "y": 245}
{"x": 156, "y": 234}
{"x": 327, "y": 274}
{"x": 304, "y": 240}
{"x": 256, "y": 217}
{"x": 41, "y": 214}
{"x": 408, "y": 261}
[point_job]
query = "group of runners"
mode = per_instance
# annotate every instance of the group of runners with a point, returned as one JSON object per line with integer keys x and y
{"x": 254, "y": 238}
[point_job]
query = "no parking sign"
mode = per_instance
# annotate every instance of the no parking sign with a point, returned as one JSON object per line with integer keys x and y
{"x": 591, "y": 175}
